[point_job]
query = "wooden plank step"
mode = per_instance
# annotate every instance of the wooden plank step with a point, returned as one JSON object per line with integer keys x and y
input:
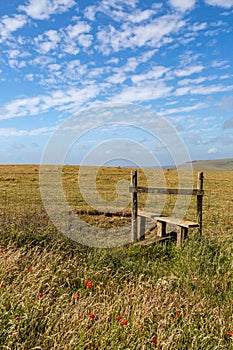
{"x": 168, "y": 219}
{"x": 177, "y": 222}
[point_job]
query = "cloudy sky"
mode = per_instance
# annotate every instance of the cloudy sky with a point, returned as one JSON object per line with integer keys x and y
{"x": 58, "y": 57}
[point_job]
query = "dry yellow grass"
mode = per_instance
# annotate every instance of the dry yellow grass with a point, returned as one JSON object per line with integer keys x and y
{"x": 180, "y": 297}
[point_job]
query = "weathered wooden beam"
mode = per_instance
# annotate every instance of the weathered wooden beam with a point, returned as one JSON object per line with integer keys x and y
{"x": 134, "y": 205}
{"x": 161, "y": 228}
{"x": 163, "y": 190}
{"x": 200, "y": 182}
{"x": 141, "y": 227}
{"x": 181, "y": 235}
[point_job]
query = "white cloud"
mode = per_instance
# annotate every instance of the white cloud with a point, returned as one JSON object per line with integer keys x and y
{"x": 131, "y": 36}
{"x": 212, "y": 150}
{"x": 42, "y": 9}
{"x": 7, "y": 132}
{"x": 139, "y": 16}
{"x": 222, "y": 64}
{"x": 199, "y": 26}
{"x": 54, "y": 67}
{"x": 210, "y": 89}
{"x": 143, "y": 92}
{"x": 189, "y": 71}
{"x": 192, "y": 81}
{"x": 116, "y": 8}
{"x": 47, "y": 41}
{"x": 65, "y": 99}
{"x": 85, "y": 40}
{"x": 185, "y": 109}
{"x": 183, "y": 5}
{"x": 90, "y": 12}
{"x": 113, "y": 60}
{"x": 221, "y": 3}
{"x": 13, "y": 63}
{"x": 155, "y": 73}
{"x": 75, "y": 30}
{"x": 9, "y": 25}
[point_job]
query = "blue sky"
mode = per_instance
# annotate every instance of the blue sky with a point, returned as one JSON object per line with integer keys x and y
{"x": 58, "y": 57}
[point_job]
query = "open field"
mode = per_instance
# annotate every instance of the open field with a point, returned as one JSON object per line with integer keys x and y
{"x": 212, "y": 165}
{"x": 152, "y": 297}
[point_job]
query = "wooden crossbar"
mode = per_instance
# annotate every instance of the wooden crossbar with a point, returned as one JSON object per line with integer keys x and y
{"x": 163, "y": 190}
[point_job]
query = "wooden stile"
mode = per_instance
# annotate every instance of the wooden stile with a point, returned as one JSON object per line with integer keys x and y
{"x": 139, "y": 216}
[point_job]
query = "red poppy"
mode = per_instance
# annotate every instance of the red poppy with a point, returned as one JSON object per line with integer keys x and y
{"x": 41, "y": 295}
{"x": 154, "y": 340}
{"x": 118, "y": 318}
{"x": 230, "y": 333}
{"x": 30, "y": 270}
{"x": 92, "y": 316}
{"x": 124, "y": 323}
{"x": 89, "y": 285}
{"x": 16, "y": 318}
{"x": 1, "y": 250}
{"x": 86, "y": 282}
{"x": 2, "y": 285}
{"x": 75, "y": 296}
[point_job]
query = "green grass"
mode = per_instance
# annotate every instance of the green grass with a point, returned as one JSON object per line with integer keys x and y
{"x": 180, "y": 296}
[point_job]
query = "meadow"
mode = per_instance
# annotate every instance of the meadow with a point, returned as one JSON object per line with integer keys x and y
{"x": 59, "y": 294}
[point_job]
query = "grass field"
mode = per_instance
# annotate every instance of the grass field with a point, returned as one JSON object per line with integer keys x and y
{"x": 58, "y": 294}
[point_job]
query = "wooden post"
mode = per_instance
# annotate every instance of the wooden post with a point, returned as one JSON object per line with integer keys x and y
{"x": 141, "y": 227}
{"x": 134, "y": 182}
{"x": 161, "y": 228}
{"x": 199, "y": 201}
{"x": 181, "y": 234}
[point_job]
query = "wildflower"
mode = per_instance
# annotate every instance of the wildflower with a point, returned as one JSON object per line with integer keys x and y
{"x": 41, "y": 295}
{"x": 118, "y": 318}
{"x": 13, "y": 334}
{"x": 1, "y": 250}
{"x": 2, "y": 285}
{"x": 16, "y": 318}
{"x": 92, "y": 316}
{"x": 88, "y": 284}
{"x": 75, "y": 296}
{"x": 154, "y": 340}
{"x": 124, "y": 323}
{"x": 5, "y": 305}
{"x": 230, "y": 333}
{"x": 31, "y": 269}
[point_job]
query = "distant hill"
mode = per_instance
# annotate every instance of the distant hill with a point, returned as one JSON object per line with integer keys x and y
{"x": 211, "y": 165}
